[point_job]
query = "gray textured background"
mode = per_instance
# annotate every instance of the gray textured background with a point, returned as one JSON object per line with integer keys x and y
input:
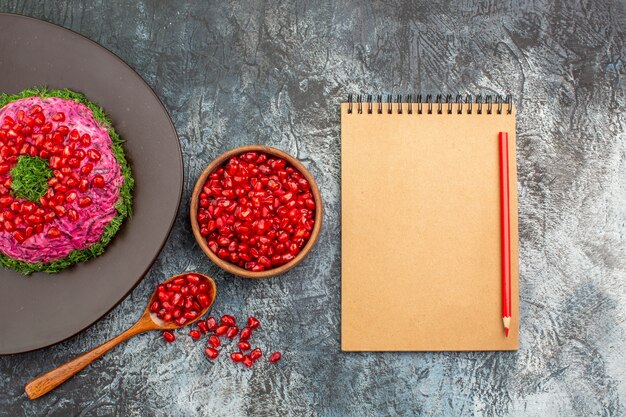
{"x": 274, "y": 73}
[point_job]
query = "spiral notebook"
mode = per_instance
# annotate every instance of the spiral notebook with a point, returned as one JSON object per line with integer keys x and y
{"x": 421, "y": 250}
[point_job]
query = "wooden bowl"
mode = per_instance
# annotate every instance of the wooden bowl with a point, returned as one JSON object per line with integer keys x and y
{"x": 235, "y": 269}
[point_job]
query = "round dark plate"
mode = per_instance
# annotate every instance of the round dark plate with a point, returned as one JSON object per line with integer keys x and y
{"x": 43, "y": 309}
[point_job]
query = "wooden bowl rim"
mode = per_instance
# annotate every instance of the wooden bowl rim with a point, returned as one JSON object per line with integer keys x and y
{"x": 232, "y": 268}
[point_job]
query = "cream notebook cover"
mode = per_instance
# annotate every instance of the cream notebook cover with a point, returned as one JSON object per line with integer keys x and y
{"x": 421, "y": 228}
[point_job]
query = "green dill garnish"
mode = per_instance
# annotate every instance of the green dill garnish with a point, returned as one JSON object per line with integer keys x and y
{"x": 30, "y": 178}
{"x": 123, "y": 206}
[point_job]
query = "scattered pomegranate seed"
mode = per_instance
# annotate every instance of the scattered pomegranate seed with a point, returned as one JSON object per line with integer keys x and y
{"x": 232, "y": 332}
{"x": 221, "y": 330}
{"x": 202, "y": 326}
{"x": 211, "y": 353}
{"x": 253, "y": 323}
{"x": 229, "y": 320}
{"x": 211, "y": 324}
{"x": 169, "y": 296}
{"x": 245, "y": 333}
{"x": 214, "y": 341}
{"x": 256, "y": 354}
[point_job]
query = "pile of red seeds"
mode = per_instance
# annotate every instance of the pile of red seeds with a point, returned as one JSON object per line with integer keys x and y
{"x": 227, "y": 328}
{"x": 71, "y": 159}
{"x": 256, "y": 211}
{"x": 182, "y": 299}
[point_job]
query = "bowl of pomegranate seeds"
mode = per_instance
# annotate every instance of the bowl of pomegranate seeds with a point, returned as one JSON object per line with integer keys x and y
{"x": 256, "y": 211}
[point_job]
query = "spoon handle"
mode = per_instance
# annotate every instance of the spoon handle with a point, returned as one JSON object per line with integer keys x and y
{"x": 49, "y": 381}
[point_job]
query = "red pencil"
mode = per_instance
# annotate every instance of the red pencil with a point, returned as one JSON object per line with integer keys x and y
{"x": 505, "y": 231}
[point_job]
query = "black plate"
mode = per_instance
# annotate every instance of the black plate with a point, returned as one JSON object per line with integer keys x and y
{"x": 43, "y": 309}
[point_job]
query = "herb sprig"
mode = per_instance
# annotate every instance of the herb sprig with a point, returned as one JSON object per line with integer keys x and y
{"x": 30, "y": 178}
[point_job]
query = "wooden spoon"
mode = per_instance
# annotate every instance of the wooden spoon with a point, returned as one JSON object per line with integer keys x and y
{"x": 148, "y": 321}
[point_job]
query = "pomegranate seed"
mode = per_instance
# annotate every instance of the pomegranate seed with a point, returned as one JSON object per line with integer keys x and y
{"x": 5, "y": 201}
{"x": 245, "y": 333}
{"x": 169, "y": 336}
{"x": 229, "y": 320}
{"x": 256, "y": 354}
{"x": 154, "y": 307}
{"x": 74, "y": 135}
{"x": 98, "y": 181}
{"x": 232, "y": 332}
{"x": 8, "y": 225}
{"x": 72, "y": 214}
{"x": 243, "y": 346}
{"x": 19, "y": 236}
{"x": 203, "y": 299}
{"x": 191, "y": 315}
{"x": 93, "y": 155}
{"x": 84, "y": 202}
{"x": 275, "y": 357}
{"x": 253, "y": 323}
{"x": 214, "y": 341}
{"x": 58, "y": 117}
{"x": 63, "y": 130}
{"x": 86, "y": 169}
{"x": 211, "y": 353}
{"x": 247, "y": 361}
{"x": 194, "y": 334}
{"x": 237, "y": 356}
{"x": 54, "y": 233}
{"x": 83, "y": 186}
{"x": 221, "y": 330}
{"x": 193, "y": 279}
{"x": 211, "y": 324}
{"x": 202, "y": 326}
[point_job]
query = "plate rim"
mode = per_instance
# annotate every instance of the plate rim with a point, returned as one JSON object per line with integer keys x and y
{"x": 180, "y": 188}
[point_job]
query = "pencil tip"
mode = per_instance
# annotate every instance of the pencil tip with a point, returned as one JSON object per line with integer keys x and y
{"x": 506, "y": 323}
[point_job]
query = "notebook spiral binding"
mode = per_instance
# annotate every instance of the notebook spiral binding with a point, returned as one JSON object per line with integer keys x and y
{"x": 470, "y": 102}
